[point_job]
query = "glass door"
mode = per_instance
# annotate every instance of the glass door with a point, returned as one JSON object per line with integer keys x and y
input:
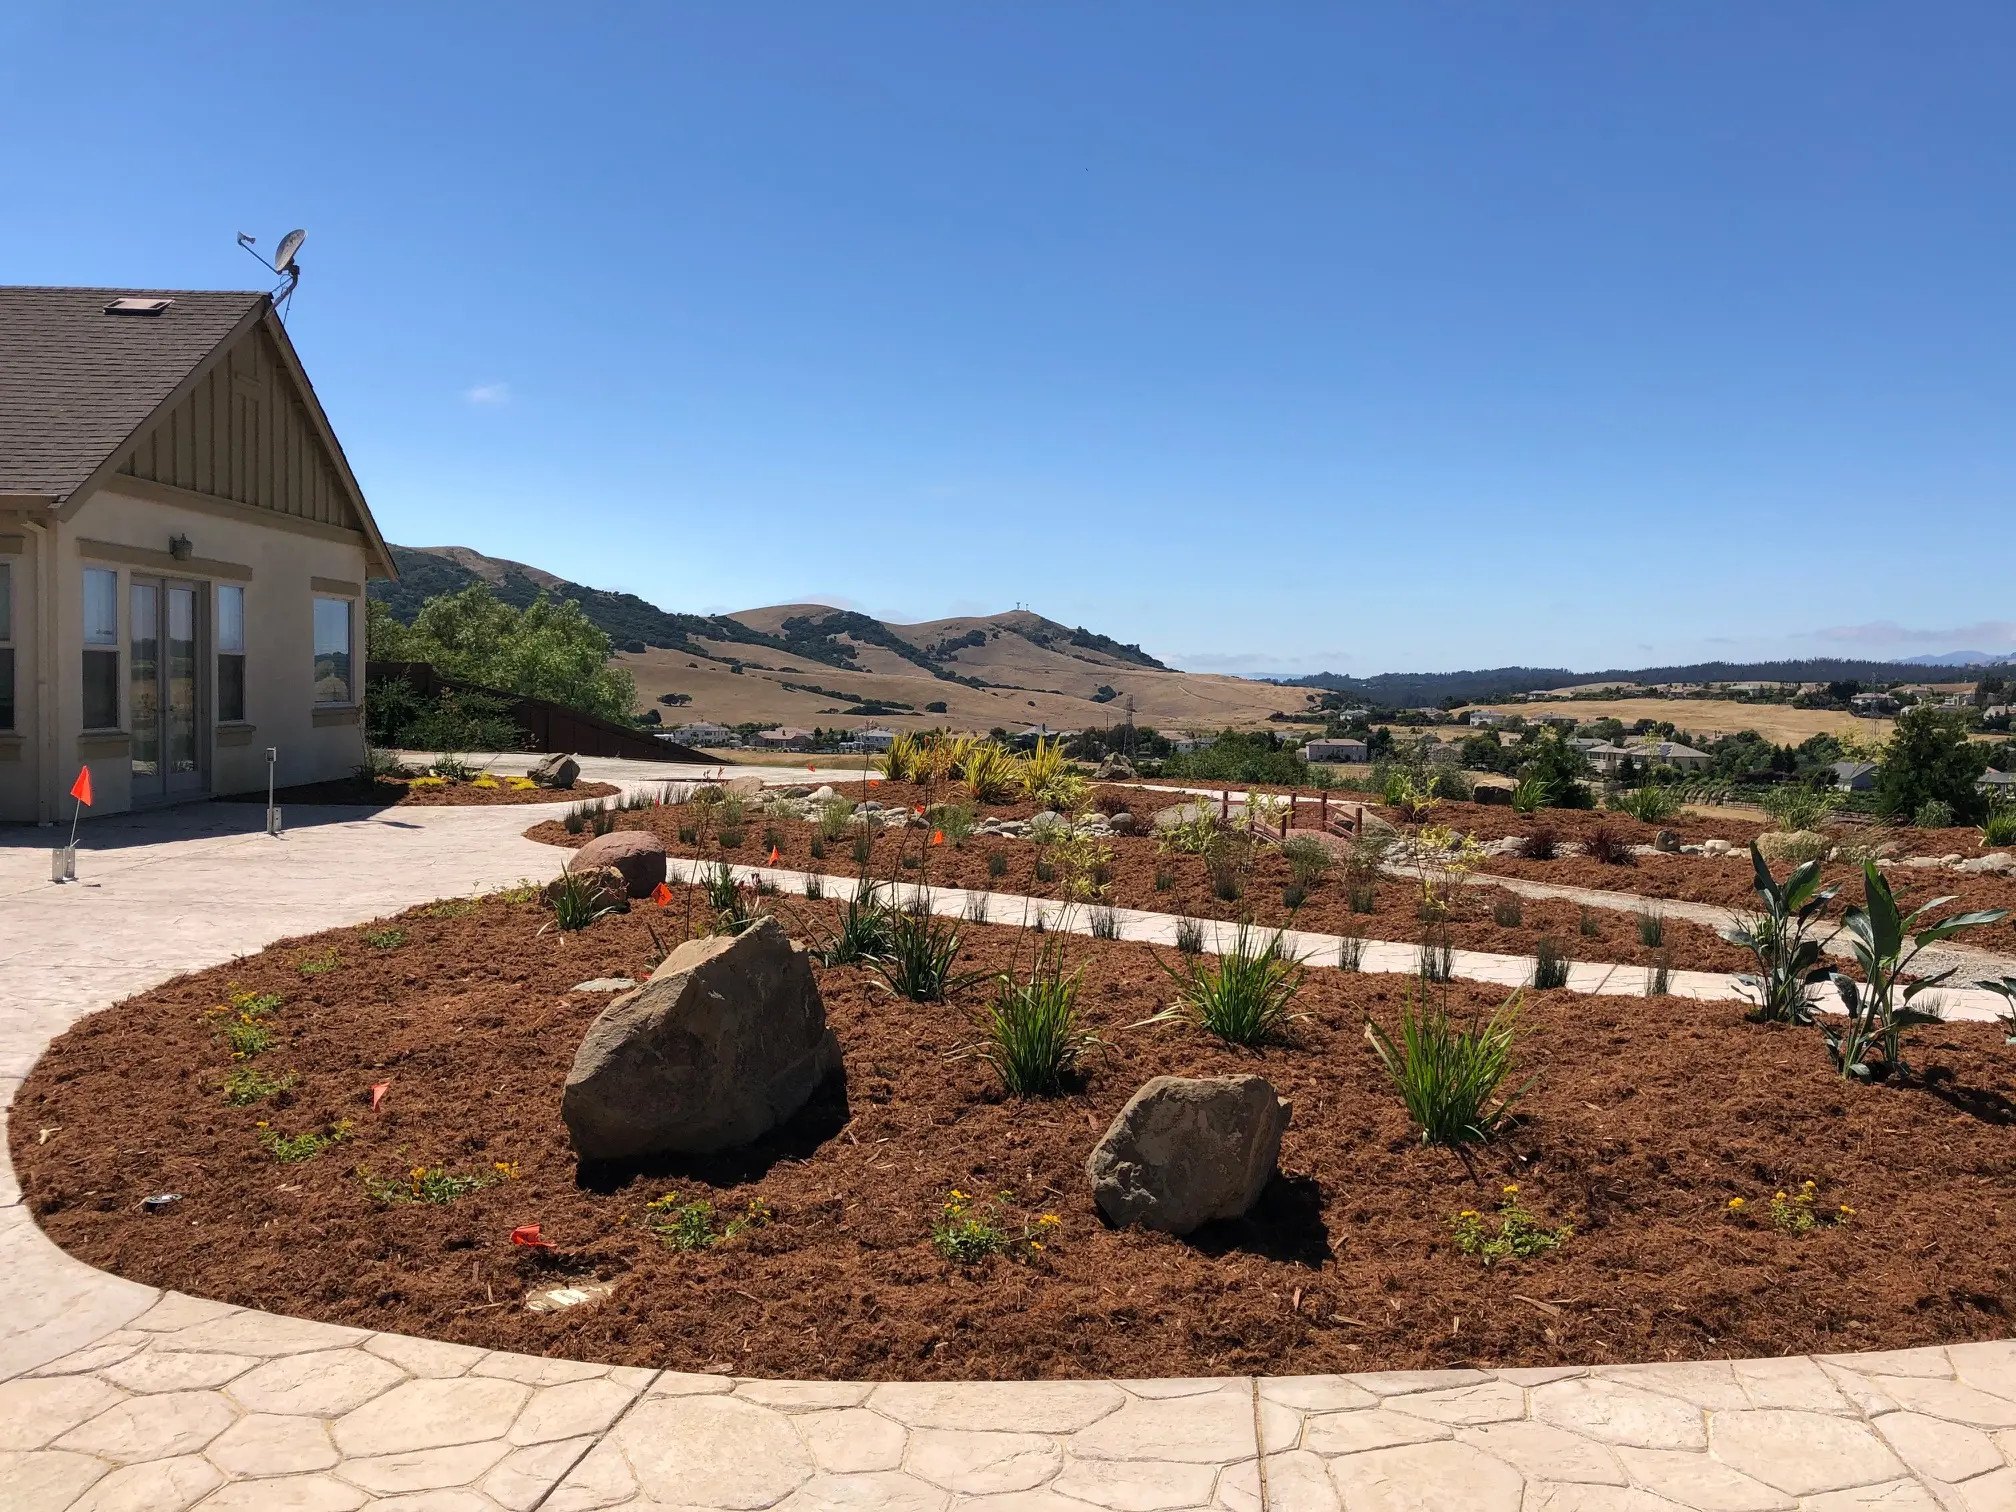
{"x": 165, "y": 695}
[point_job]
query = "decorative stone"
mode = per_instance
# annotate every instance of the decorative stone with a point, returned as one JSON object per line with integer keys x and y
{"x": 637, "y": 854}
{"x": 1667, "y": 841}
{"x": 1115, "y": 768}
{"x": 726, "y": 1040}
{"x": 556, "y": 771}
{"x": 1185, "y": 1151}
{"x": 611, "y": 888}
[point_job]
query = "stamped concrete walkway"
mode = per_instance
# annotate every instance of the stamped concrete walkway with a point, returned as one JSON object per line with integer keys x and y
{"x": 119, "y": 1398}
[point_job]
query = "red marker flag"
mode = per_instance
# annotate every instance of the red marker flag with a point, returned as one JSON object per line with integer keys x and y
{"x": 937, "y": 837}
{"x": 378, "y": 1091}
{"x": 662, "y": 895}
{"x": 81, "y": 788}
{"x": 773, "y": 855}
{"x": 527, "y": 1234}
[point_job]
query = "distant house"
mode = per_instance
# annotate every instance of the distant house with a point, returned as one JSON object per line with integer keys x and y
{"x": 183, "y": 553}
{"x": 1182, "y": 742}
{"x": 1487, "y": 717}
{"x": 784, "y": 738}
{"x": 1997, "y": 784}
{"x": 1335, "y": 750}
{"x": 1564, "y": 721}
{"x": 873, "y": 740}
{"x": 1854, "y": 776}
{"x": 1672, "y": 753}
{"x": 1028, "y": 738}
{"x": 703, "y": 733}
{"x": 1587, "y": 743}
{"x": 1869, "y": 704}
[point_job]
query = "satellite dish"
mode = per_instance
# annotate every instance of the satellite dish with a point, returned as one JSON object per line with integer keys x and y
{"x": 283, "y": 256}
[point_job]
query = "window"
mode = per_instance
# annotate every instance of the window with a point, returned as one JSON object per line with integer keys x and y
{"x": 101, "y": 648}
{"x": 332, "y": 650}
{"x": 230, "y": 654}
{"x": 6, "y": 646}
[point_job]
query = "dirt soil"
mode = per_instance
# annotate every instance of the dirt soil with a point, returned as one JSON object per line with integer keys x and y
{"x": 1591, "y": 934}
{"x": 1647, "y": 1118}
{"x": 386, "y": 792}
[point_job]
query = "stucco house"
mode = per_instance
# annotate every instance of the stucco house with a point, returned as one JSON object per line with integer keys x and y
{"x": 183, "y": 552}
{"x": 1335, "y": 750}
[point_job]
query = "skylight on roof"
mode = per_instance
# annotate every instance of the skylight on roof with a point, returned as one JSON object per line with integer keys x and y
{"x": 134, "y": 304}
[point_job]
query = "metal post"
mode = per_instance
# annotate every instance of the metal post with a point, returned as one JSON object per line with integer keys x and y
{"x": 272, "y": 809}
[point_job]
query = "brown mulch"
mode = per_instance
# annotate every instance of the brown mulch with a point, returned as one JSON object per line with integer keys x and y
{"x": 1591, "y": 934}
{"x": 1648, "y": 1117}
{"x": 386, "y": 792}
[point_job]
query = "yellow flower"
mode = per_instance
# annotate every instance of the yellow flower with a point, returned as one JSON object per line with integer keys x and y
{"x": 1467, "y": 1213}
{"x": 1035, "y": 1244}
{"x": 1736, "y": 1202}
{"x": 1511, "y": 1189}
{"x": 1847, "y": 1211}
{"x": 957, "y": 1195}
{"x": 1778, "y": 1197}
{"x": 1806, "y": 1186}
{"x": 1050, "y": 1220}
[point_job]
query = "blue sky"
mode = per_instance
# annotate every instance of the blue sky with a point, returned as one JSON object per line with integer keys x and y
{"x": 1277, "y": 338}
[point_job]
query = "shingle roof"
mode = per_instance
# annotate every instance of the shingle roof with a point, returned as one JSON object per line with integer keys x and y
{"x": 76, "y": 382}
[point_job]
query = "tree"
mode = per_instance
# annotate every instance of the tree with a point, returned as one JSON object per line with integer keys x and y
{"x": 1927, "y": 757}
{"x": 1560, "y": 765}
{"x": 546, "y": 650}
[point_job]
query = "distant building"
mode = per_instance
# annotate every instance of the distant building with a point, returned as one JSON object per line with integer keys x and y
{"x": 1854, "y": 776}
{"x": 873, "y": 740}
{"x": 1870, "y": 704}
{"x": 784, "y": 738}
{"x": 1487, "y": 717}
{"x": 703, "y": 733}
{"x": 1997, "y": 784}
{"x": 1335, "y": 750}
{"x": 1607, "y": 758}
{"x": 1564, "y": 721}
{"x": 1181, "y": 742}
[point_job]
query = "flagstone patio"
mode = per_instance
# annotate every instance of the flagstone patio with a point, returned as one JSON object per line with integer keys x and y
{"x": 117, "y": 1396}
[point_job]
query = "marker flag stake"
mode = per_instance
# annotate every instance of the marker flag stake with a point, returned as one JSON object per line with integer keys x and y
{"x": 661, "y": 895}
{"x": 81, "y": 791}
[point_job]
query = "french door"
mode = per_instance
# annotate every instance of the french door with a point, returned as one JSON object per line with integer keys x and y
{"x": 165, "y": 694}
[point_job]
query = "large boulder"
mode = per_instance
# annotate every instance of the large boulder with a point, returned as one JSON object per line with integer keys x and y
{"x": 1115, "y": 768}
{"x": 726, "y": 1040}
{"x": 607, "y": 887}
{"x": 1187, "y": 1150}
{"x": 638, "y": 854}
{"x": 556, "y": 771}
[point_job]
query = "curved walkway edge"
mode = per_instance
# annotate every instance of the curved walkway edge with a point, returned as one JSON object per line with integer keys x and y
{"x": 118, "y": 1396}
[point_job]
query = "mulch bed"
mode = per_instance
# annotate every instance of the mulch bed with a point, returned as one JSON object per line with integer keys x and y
{"x": 1592, "y": 934}
{"x": 1648, "y": 1117}
{"x": 386, "y": 792}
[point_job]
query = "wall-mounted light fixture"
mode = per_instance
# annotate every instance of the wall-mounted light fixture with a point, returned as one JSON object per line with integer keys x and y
{"x": 179, "y": 547}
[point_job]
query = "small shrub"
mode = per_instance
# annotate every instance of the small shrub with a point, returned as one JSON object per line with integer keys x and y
{"x": 997, "y": 864}
{"x": 1587, "y": 924}
{"x": 1449, "y": 1075}
{"x": 436, "y": 1185}
{"x": 1105, "y": 923}
{"x": 1227, "y": 888}
{"x": 1189, "y": 936}
{"x": 243, "y": 1086}
{"x": 1651, "y": 928}
{"x": 1293, "y": 896}
{"x": 1794, "y": 806}
{"x": 956, "y": 821}
{"x": 731, "y": 907}
{"x": 1999, "y": 828}
{"x": 692, "y": 1225}
{"x": 1031, "y": 1034}
{"x": 864, "y": 847}
{"x": 1542, "y": 845}
{"x": 818, "y": 849}
{"x": 917, "y": 963}
{"x": 773, "y": 839}
{"x": 835, "y": 819}
{"x": 1532, "y": 795}
{"x": 689, "y": 834}
{"x": 1797, "y": 1213}
{"x": 1658, "y": 978}
{"x": 967, "y": 1235}
{"x": 1648, "y": 805}
{"x": 1609, "y": 847}
{"x": 1934, "y": 813}
{"x": 451, "y": 908}
{"x": 1508, "y": 912}
{"x": 1164, "y": 880}
{"x": 452, "y": 768}
{"x": 324, "y": 960}
{"x": 1045, "y": 871}
{"x": 1777, "y": 939}
{"x": 731, "y": 836}
{"x": 238, "y": 1022}
{"x": 1244, "y": 996}
{"x": 976, "y": 908}
{"x": 1309, "y": 859}
{"x": 862, "y": 930}
{"x": 1364, "y": 898}
{"x": 1437, "y": 960}
{"x": 1519, "y": 1235}
{"x": 291, "y": 1149}
{"x": 1550, "y": 966}
{"x": 574, "y": 823}
{"x": 1350, "y": 952}
{"x": 578, "y": 901}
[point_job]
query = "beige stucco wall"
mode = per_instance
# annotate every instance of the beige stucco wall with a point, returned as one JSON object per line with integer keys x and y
{"x": 276, "y": 563}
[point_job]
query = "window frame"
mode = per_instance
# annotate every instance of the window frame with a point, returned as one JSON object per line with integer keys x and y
{"x": 99, "y": 645}
{"x": 225, "y": 652}
{"x": 349, "y": 606}
{"x": 10, "y": 708}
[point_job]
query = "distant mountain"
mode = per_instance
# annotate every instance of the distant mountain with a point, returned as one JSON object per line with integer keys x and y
{"x": 1961, "y": 659}
{"x": 1403, "y": 690}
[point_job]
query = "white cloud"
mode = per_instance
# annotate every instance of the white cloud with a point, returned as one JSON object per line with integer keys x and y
{"x": 488, "y": 393}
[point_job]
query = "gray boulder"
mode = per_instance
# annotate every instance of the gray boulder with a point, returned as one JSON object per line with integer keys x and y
{"x": 1185, "y": 1151}
{"x": 638, "y": 854}
{"x": 726, "y": 1040}
{"x": 1122, "y": 823}
{"x": 556, "y": 771}
{"x": 1667, "y": 841}
{"x": 1115, "y": 768}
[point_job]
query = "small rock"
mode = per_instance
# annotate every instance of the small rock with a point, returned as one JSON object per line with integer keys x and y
{"x": 745, "y": 787}
{"x": 160, "y": 1201}
{"x": 556, "y": 771}
{"x": 1122, "y": 823}
{"x": 868, "y": 806}
{"x": 1115, "y": 768}
{"x": 568, "y": 1294}
{"x": 638, "y": 854}
{"x": 1185, "y": 1151}
{"x": 797, "y": 791}
{"x": 1714, "y": 847}
{"x": 1951, "y": 858}
{"x": 604, "y": 984}
{"x": 1667, "y": 841}
{"x": 1994, "y": 861}
{"x": 823, "y": 794}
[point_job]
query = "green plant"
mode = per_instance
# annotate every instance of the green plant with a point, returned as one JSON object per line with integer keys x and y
{"x": 578, "y": 900}
{"x": 1189, "y": 936}
{"x": 1651, "y": 928}
{"x": 731, "y": 907}
{"x": 1507, "y": 912}
{"x": 1105, "y": 923}
{"x": 1795, "y": 806}
{"x": 2005, "y": 988}
{"x": 1648, "y": 805}
{"x": 324, "y": 960}
{"x": 997, "y": 864}
{"x": 244, "y": 1086}
{"x": 1658, "y": 978}
{"x": 689, "y": 834}
{"x": 435, "y": 1185}
{"x": 1878, "y": 936}
{"x": 773, "y": 838}
{"x": 815, "y": 886}
{"x": 1293, "y": 896}
{"x": 1550, "y": 966}
{"x": 1191, "y": 832}
{"x": 835, "y": 819}
{"x": 1415, "y": 802}
{"x": 1449, "y": 1075}
{"x": 1587, "y": 924}
{"x": 452, "y": 768}
{"x": 451, "y": 908}
{"x": 1531, "y": 795}
{"x": 1542, "y": 845}
{"x": 1046, "y": 870}
{"x": 1031, "y": 1033}
{"x": 1436, "y": 961}
{"x": 1777, "y": 939}
{"x": 522, "y": 891}
{"x": 692, "y": 1225}
{"x": 291, "y": 1149}
{"x": 1796, "y": 1214}
{"x": 574, "y": 822}
{"x": 378, "y": 764}
{"x": 918, "y": 960}
{"x": 1607, "y": 846}
{"x": 976, "y": 908}
{"x": 990, "y": 772}
{"x": 1047, "y": 777}
{"x": 1350, "y": 952}
{"x": 1928, "y": 757}
{"x": 731, "y": 836}
{"x": 864, "y": 847}
{"x": 1933, "y": 813}
{"x": 1309, "y": 859}
{"x": 956, "y": 821}
{"x": 1519, "y": 1234}
{"x": 1243, "y": 996}
{"x": 966, "y": 1234}
{"x": 1999, "y": 828}
{"x": 1364, "y": 898}
{"x": 1164, "y": 879}
{"x": 861, "y": 931}
{"x": 239, "y": 1022}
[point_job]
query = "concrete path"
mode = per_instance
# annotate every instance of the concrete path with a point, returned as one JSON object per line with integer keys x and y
{"x": 118, "y": 1396}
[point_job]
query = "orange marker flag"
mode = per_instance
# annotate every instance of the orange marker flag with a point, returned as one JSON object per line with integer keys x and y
{"x": 378, "y": 1091}
{"x": 937, "y": 837}
{"x": 773, "y": 855}
{"x": 527, "y": 1234}
{"x": 81, "y": 788}
{"x": 661, "y": 895}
